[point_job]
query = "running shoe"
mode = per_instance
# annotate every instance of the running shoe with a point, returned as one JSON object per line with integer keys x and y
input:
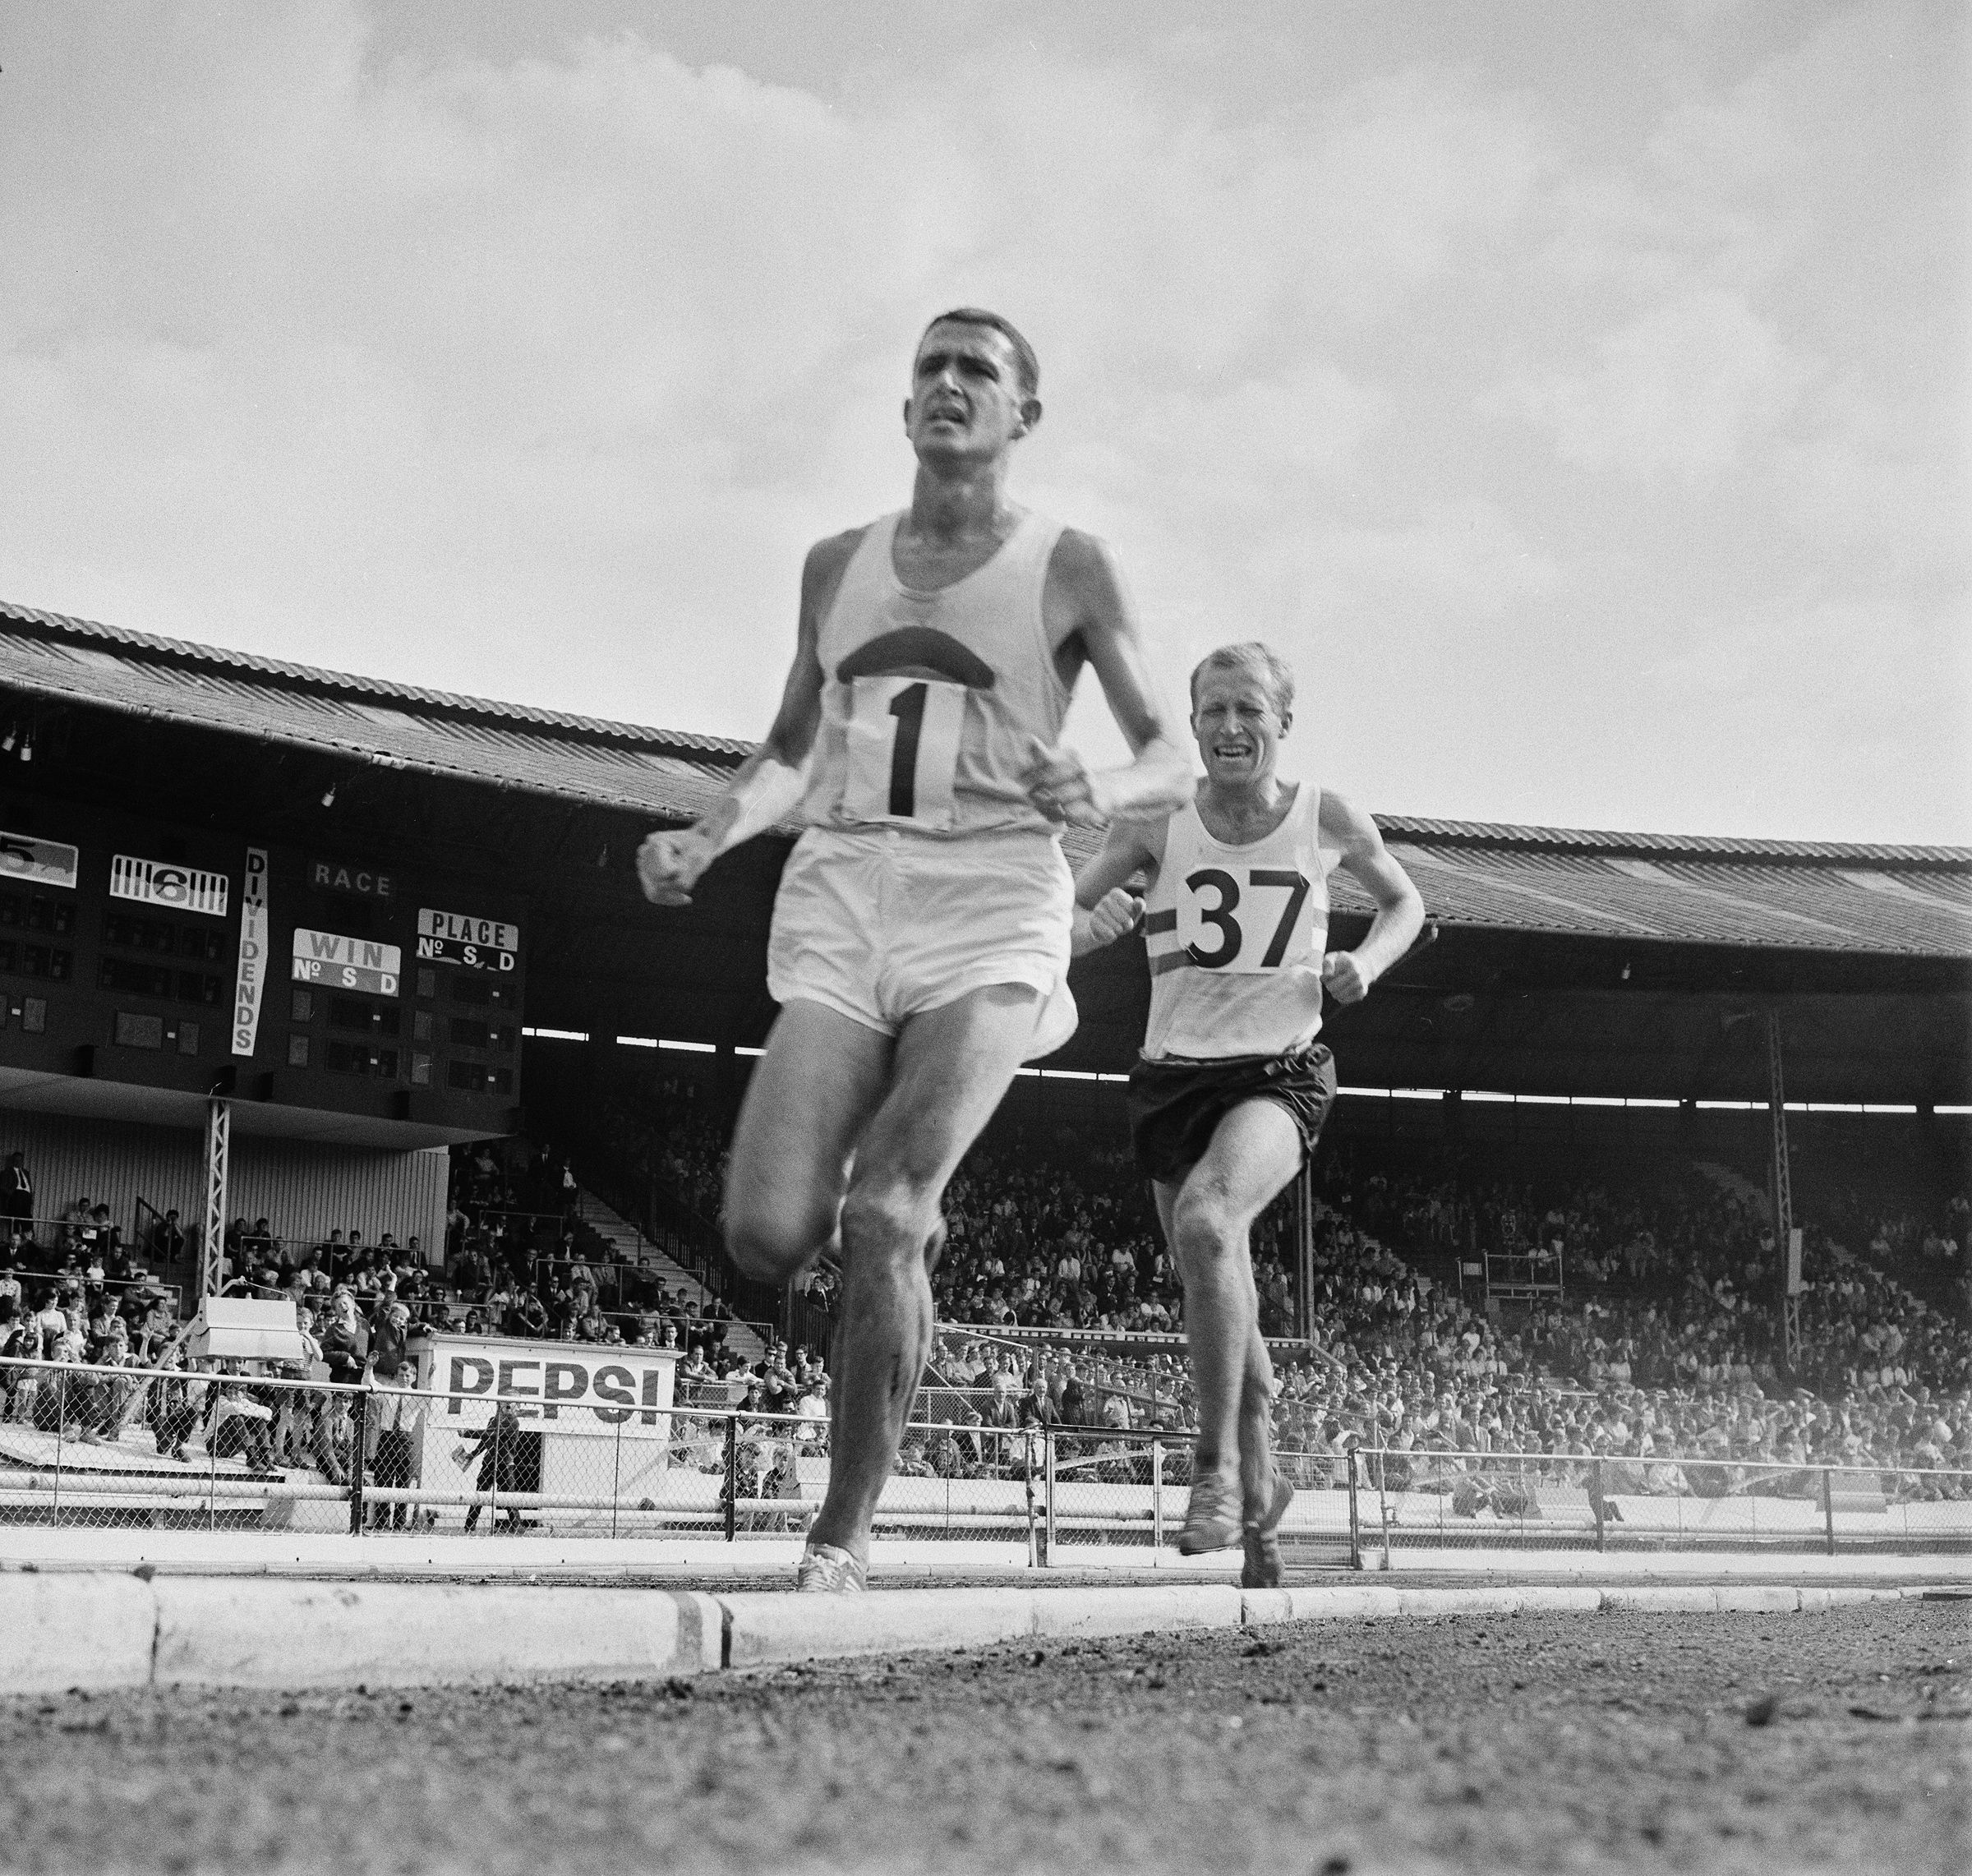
{"x": 828, "y": 1570}
{"x": 1264, "y": 1569}
{"x": 1211, "y": 1516}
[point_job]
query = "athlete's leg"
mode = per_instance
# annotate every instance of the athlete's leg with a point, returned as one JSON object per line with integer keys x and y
{"x": 1255, "y": 1150}
{"x": 812, "y": 1094}
{"x": 952, "y": 1066}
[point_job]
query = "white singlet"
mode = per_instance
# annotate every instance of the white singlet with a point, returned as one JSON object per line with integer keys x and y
{"x": 1236, "y": 936}
{"x": 932, "y": 703}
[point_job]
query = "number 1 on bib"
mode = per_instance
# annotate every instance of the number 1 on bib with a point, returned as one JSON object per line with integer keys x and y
{"x": 904, "y": 751}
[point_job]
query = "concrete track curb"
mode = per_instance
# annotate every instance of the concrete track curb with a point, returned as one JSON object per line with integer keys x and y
{"x": 113, "y": 1630}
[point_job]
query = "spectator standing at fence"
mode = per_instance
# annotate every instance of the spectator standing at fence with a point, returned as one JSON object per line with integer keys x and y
{"x": 346, "y": 1352}
{"x": 394, "y": 1419}
{"x": 498, "y": 1451}
{"x": 1232, "y": 1089}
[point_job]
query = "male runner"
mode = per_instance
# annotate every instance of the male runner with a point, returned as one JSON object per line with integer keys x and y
{"x": 1233, "y": 1088}
{"x": 921, "y": 935}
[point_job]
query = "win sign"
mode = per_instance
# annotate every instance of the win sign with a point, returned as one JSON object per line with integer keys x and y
{"x": 339, "y": 963}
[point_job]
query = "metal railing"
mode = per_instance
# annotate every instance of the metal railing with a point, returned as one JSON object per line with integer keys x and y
{"x": 82, "y": 1446}
{"x": 122, "y": 1288}
{"x": 1412, "y": 1499}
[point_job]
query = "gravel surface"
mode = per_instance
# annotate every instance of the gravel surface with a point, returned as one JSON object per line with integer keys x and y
{"x": 1841, "y": 1741}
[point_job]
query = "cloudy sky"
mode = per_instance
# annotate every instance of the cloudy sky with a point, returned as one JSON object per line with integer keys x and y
{"x": 1577, "y": 395}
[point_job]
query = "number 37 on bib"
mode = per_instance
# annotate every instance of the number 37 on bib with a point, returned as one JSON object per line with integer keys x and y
{"x": 1246, "y": 919}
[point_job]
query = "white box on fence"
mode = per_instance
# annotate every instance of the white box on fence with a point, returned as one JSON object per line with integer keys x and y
{"x": 244, "y": 1329}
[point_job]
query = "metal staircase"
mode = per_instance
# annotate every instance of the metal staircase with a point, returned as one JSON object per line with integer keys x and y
{"x": 631, "y": 1244}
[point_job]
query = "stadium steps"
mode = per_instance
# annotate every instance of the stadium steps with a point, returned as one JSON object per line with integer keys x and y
{"x": 611, "y": 1225}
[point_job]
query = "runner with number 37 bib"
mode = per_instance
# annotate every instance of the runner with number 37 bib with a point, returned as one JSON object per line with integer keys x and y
{"x": 920, "y": 941}
{"x": 1233, "y": 1088}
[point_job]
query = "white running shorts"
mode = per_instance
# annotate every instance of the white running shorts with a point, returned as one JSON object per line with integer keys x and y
{"x": 881, "y": 924}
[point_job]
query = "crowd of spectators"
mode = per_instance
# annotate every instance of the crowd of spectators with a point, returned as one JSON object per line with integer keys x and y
{"x": 518, "y": 1261}
{"x": 1665, "y": 1340}
{"x": 1666, "y": 1344}
{"x": 1663, "y": 1351}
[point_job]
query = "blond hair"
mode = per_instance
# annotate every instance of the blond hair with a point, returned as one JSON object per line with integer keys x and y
{"x": 1261, "y": 661}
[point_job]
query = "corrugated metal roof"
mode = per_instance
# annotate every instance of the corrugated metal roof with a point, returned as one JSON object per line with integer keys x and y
{"x": 103, "y": 646}
{"x": 1694, "y": 889}
{"x": 1710, "y": 846}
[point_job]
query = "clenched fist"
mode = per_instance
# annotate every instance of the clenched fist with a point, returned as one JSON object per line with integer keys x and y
{"x": 1059, "y": 784}
{"x": 1112, "y": 915}
{"x": 670, "y": 862}
{"x": 1343, "y": 977}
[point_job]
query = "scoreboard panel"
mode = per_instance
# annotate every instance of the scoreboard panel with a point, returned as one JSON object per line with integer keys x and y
{"x": 170, "y": 957}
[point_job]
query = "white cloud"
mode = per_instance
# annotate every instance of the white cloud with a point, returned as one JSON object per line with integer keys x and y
{"x": 1683, "y": 388}
{"x": 535, "y": 375}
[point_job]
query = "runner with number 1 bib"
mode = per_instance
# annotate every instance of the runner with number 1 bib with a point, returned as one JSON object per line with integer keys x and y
{"x": 920, "y": 941}
{"x": 1233, "y": 1088}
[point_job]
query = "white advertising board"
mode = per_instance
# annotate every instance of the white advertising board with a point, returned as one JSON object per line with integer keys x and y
{"x": 553, "y": 1387}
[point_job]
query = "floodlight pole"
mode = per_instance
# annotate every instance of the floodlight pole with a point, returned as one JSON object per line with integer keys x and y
{"x": 1786, "y": 1245}
{"x": 218, "y": 1142}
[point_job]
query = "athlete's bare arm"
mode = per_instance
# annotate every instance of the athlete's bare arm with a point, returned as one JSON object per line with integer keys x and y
{"x": 1105, "y": 906}
{"x": 768, "y": 783}
{"x": 1347, "y": 975}
{"x": 1090, "y": 621}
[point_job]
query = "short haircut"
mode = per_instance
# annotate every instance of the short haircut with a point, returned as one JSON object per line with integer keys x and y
{"x": 1028, "y": 366}
{"x": 1261, "y": 661}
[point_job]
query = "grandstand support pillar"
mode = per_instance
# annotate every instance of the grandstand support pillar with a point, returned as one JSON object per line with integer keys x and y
{"x": 1782, "y": 1181}
{"x": 218, "y": 1145}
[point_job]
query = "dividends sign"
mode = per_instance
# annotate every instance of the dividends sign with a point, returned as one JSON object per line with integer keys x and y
{"x": 605, "y": 1390}
{"x": 252, "y": 975}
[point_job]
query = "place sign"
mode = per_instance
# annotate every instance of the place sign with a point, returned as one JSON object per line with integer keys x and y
{"x": 479, "y": 944}
{"x": 359, "y": 882}
{"x": 178, "y": 888}
{"x": 44, "y": 862}
{"x": 340, "y": 963}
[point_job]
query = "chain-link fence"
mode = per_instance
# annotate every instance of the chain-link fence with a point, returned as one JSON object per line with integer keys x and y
{"x": 177, "y": 1447}
{"x": 1580, "y": 1501}
{"x": 202, "y": 1447}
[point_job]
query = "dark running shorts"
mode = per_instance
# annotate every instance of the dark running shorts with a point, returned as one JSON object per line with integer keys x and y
{"x": 1175, "y": 1107}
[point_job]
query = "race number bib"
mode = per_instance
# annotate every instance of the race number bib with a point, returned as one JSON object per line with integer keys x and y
{"x": 903, "y": 749}
{"x": 1246, "y": 919}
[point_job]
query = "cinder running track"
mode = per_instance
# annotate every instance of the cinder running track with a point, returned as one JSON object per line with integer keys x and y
{"x": 1598, "y": 1743}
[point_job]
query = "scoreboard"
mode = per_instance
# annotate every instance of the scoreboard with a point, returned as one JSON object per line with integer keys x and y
{"x": 164, "y": 957}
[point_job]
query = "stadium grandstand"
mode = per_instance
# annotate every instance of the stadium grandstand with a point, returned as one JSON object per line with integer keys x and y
{"x": 367, "y": 967}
